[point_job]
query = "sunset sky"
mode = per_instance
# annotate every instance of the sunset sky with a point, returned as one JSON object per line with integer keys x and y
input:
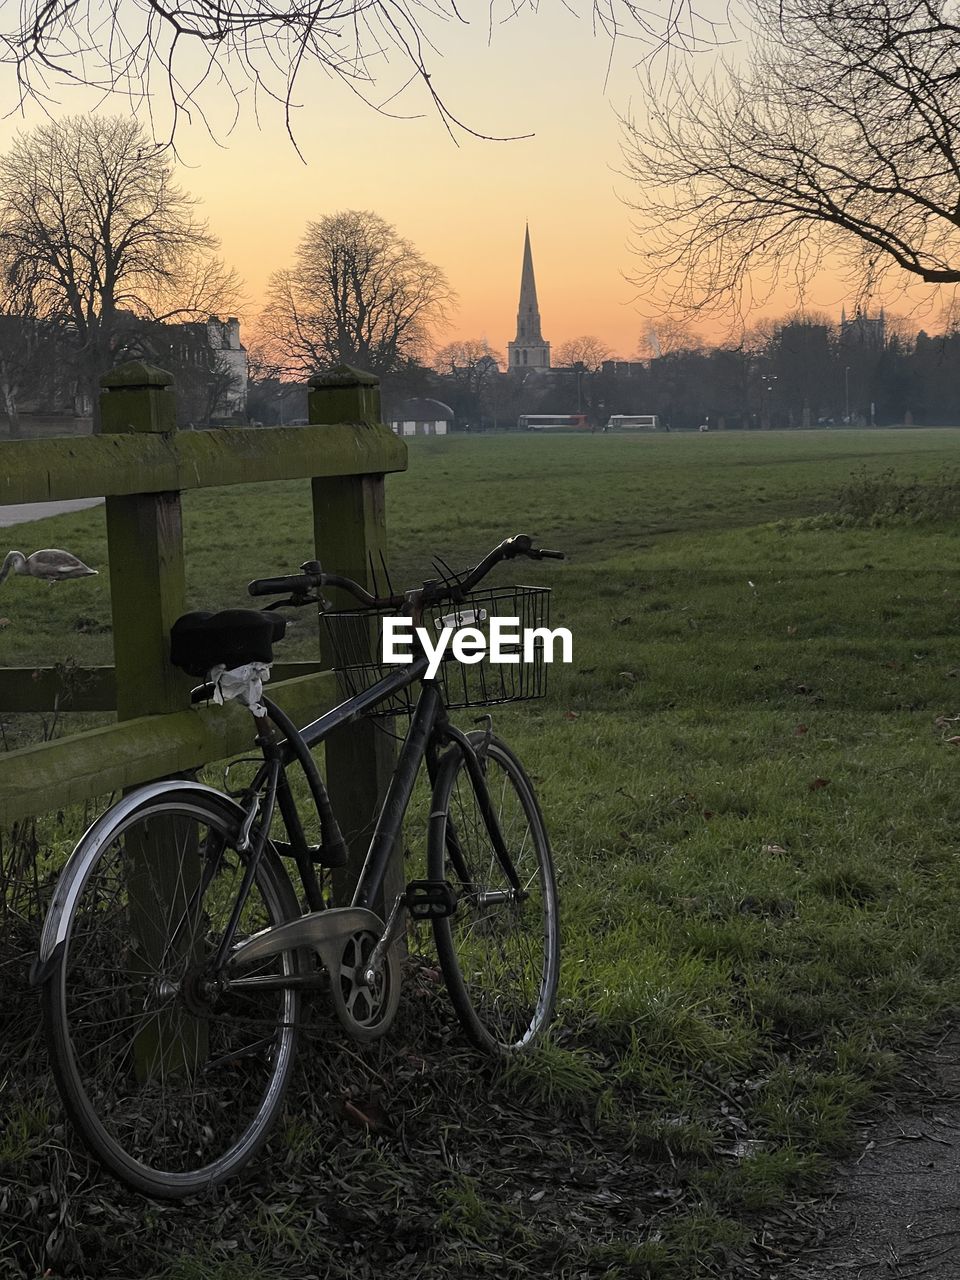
{"x": 464, "y": 203}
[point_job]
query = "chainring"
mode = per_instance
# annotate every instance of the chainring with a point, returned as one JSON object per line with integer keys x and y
{"x": 366, "y": 1012}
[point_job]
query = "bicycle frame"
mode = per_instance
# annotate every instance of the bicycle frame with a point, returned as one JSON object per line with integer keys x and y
{"x": 428, "y": 710}
{"x": 429, "y": 727}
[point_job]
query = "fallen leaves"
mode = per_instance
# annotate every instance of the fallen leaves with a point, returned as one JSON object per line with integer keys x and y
{"x": 367, "y": 1114}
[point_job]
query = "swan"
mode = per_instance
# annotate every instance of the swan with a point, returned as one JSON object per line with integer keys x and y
{"x": 50, "y": 563}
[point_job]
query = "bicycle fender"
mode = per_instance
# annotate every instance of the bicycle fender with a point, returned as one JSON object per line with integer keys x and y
{"x": 71, "y": 878}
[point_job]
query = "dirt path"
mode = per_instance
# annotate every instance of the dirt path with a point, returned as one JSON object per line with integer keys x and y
{"x": 895, "y": 1208}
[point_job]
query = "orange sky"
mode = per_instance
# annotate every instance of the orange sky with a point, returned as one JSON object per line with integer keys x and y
{"x": 464, "y": 206}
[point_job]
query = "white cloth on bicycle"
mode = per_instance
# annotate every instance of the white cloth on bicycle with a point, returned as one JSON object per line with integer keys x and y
{"x": 245, "y": 683}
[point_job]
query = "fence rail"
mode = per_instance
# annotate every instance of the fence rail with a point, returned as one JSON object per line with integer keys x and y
{"x": 102, "y": 465}
{"x": 72, "y": 769}
{"x": 141, "y": 464}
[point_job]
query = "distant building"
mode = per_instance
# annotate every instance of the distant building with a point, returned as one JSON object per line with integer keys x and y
{"x": 528, "y": 350}
{"x": 863, "y": 330}
{"x": 623, "y": 368}
{"x": 224, "y": 339}
{"x": 209, "y": 364}
{"x": 422, "y": 417}
{"x": 207, "y": 360}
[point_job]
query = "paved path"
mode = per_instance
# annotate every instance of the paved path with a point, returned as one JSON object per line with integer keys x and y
{"x": 22, "y": 513}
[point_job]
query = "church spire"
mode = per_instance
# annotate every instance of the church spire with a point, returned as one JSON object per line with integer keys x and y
{"x": 528, "y": 349}
{"x": 528, "y": 313}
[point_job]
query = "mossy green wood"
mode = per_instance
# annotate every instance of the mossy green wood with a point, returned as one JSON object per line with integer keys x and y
{"x": 68, "y": 688}
{"x": 145, "y": 550}
{"x": 87, "y": 765}
{"x": 350, "y": 533}
{"x": 147, "y": 594}
{"x": 143, "y": 462}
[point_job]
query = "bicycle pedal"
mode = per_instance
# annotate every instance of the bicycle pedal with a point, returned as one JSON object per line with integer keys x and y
{"x": 430, "y": 899}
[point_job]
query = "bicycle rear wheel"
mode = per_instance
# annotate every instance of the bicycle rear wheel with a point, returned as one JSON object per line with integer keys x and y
{"x": 500, "y": 951}
{"x": 171, "y": 1077}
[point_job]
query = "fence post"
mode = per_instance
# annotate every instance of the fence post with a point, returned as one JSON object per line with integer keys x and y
{"x": 145, "y": 547}
{"x": 147, "y": 593}
{"x": 350, "y": 534}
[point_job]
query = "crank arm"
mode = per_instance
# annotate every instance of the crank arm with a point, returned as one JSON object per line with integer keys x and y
{"x": 389, "y": 936}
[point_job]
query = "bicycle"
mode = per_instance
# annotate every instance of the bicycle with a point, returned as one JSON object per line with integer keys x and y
{"x": 175, "y": 951}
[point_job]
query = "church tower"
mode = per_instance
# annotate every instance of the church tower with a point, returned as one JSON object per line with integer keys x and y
{"x": 528, "y": 350}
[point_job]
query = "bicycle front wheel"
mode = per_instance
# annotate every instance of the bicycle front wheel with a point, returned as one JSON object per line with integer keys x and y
{"x": 171, "y": 1076}
{"x": 500, "y": 951}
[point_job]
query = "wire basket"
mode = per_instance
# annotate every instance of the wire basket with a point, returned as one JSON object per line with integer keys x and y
{"x": 356, "y": 641}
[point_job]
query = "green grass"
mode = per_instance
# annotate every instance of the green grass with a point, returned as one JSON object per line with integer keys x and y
{"x": 752, "y": 795}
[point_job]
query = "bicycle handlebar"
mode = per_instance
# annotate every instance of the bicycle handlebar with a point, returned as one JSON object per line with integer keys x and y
{"x": 295, "y": 583}
{"x": 311, "y": 578}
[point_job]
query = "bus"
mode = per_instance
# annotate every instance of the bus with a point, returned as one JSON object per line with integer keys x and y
{"x": 553, "y": 422}
{"x": 633, "y": 422}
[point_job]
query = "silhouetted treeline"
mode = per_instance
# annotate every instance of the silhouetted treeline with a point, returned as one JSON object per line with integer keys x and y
{"x": 795, "y": 374}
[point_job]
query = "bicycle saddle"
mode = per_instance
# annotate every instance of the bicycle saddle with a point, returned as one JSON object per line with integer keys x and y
{"x": 201, "y": 640}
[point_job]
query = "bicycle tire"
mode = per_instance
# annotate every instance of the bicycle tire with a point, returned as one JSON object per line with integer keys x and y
{"x": 173, "y": 1087}
{"x": 500, "y": 961}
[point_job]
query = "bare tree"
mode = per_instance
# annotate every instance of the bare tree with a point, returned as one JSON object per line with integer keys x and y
{"x": 261, "y": 365}
{"x": 214, "y": 391}
{"x": 28, "y": 350}
{"x": 185, "y": 55}
{"x": 357, "y": 294}
{"x": 470, "y": 362}
{"x": 96, "y": 233}
{"x": 667, "y": 336}
{"x": 838, "y": 137}
{"x": 465, "y": 353}
{"x": 588, "y": 351}
{"x": 471, "y": 371}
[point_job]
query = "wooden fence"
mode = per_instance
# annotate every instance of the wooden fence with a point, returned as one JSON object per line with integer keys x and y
{"x": 142, "y": 464}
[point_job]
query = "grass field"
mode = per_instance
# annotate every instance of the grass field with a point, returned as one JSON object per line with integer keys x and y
{"x": 749, "y": 773}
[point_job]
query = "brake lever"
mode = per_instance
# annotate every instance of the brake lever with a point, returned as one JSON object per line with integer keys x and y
{"x": 295, "y": 602}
